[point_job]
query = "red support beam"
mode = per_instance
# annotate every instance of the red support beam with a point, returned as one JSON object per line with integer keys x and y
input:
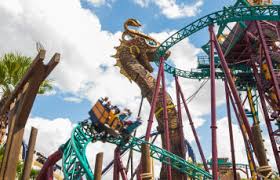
{"x": 48, "y": 165}
{"x": 213, "y": 107}
{"x": 251, "y": 161}
{"x": 116, "y": 174}
{"x": 230, "y": 134}
{"x": 232, "y": 86}
{"x": 154, "y": 100}
{"x": 192, "y": 126}
{"x": 268, "y": 60}
{"x": 165, "y": 117}
{"x": 179, "y": 112}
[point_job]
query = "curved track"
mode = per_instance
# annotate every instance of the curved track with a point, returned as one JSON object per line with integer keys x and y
{"x": 227, "y": 15}
{"x": 75, "y": 164}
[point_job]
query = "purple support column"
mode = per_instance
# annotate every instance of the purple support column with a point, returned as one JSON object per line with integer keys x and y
{"x": 213, "y": 107}
{"x": 116, "y": 175}
{"x": 165, "y": 117}
{"x": 193, "y": 128}
{"x": 252, "y": 164}
{"x": 266, "y": 116}
{"x": 230, "y": 134}
{"x": 121, "y": 168}
{"x": 232, "y": 86}
{"x": 268, "y": 60}
{"x": 183, "y": 147}
{"x": 154, "y": 100}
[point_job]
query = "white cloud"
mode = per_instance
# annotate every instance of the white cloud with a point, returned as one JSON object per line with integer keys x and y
{"x": 73, "y": 99}
{"x": 98, "y": 3}
{"x": 172, "y": 9}
{"x": 142, "y": 3}
{"x": 51, "y": 133}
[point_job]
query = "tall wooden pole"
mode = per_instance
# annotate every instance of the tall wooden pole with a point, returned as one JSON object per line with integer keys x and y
{"x": 29, "y": 158}
{"x": 98, "y": 166}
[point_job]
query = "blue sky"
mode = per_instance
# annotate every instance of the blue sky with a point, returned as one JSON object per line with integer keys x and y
{"x": 85, "y": 32}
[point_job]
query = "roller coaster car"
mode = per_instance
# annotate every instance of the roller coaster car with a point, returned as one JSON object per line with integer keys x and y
{"x": 104, "y": 119}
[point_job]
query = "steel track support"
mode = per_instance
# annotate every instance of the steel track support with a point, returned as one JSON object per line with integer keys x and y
{"x": 232, "y": 86}
{"x": 179, "y": 112}
{"x": 145, "y": 162}
{"x": 230, "y": 134}
{"x": 266, "y": 117}
{"x": 192, "y": 126}
{"x": 166, "y": 126}
{"x": 48, "y": 165}
{"x": 121, "y": 168}
{"x": 250, "y": 157}
{"x": 154, "y": 100}
{"x": 116, "y": 174}
{"x": 268, "y": 60}
{"x": 213, "y": 107}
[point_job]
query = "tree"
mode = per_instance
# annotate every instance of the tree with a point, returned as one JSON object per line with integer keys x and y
{"x": 13, "y": 66}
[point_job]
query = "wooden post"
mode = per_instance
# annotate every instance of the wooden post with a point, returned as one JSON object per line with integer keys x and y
{"x": 29, "y": 158}
{"x": 23, "y": 98}
{"x": 146, "y": 162}
{"x": 98, "y": 166}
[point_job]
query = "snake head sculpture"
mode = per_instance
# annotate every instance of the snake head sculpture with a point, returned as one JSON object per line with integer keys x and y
{"x": 138, "y": 45}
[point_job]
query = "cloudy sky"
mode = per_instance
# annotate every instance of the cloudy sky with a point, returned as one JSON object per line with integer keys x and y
{"x": 84, "y": 32}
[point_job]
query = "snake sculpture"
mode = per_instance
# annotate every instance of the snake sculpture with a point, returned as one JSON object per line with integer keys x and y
{"x": 134, "y": 55}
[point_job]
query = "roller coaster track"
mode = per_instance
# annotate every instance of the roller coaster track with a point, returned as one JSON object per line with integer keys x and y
{"x": 75, "y": 164}
{"x": 227, "y": 15}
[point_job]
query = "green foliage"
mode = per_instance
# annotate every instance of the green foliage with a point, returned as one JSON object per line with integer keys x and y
{"x": 13, "y": 66}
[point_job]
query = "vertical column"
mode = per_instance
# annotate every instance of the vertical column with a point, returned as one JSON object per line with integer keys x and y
{"x": 145, "y": 159}
{"x": 98, "y": 166}
{"x": 232, "y": 86}
{"x": 179, "y": 112}
{"x": 192, "y": 127}
{"x": 116, "y": 175}
{"x": 266, "y": 116}
{"x": 147, "y": 164}
{"x": 251, "y": 161}
{"x": 29, "y": 158}
{"x": 230, "y": 134}
{"x": 166, "y": 126}
{"x": 213, "y": 107}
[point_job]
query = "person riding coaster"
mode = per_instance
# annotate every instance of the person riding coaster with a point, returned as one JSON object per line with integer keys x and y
{"x": 109, "y": 118}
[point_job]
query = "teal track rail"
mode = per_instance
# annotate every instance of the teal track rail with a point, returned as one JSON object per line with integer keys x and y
{"x": 227, "y": 15}
{"x": 75, "y": 164}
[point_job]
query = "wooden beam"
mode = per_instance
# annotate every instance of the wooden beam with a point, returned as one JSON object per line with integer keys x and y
{"x": 20, "y": 121}
{"x": 98, "y": 166}
{"x": 29, "y": 159}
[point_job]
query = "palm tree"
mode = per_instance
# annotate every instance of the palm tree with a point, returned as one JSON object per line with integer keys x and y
{"x": 13, "y": 66}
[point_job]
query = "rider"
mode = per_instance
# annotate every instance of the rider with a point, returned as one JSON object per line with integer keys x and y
{"x": 123, "y": 116}
{"x": 131, "y": 126}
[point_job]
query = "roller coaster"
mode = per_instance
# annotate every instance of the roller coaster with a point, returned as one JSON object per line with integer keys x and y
{"x": 247, "y": 59}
